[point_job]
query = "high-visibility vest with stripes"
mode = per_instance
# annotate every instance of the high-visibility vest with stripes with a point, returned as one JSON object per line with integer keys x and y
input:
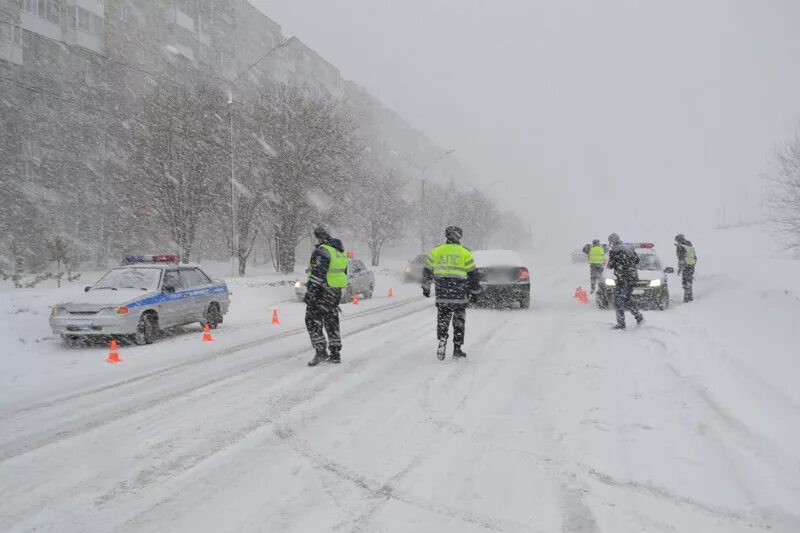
{"x": 690, "y": 257}
{"x": 451, "y": 261}
{"x": 337, "y": 268}
{"x": 597, "y": 255}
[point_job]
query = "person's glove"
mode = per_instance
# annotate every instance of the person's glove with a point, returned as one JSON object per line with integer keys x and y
{"x": 426, "y": 292}
{"x": 473, "y": 298}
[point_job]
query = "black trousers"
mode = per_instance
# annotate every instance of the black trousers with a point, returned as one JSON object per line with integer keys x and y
{"x": 595, "y": 271}
{"x": 321, "y": 320}
{"x": 623, "y": 301}
{"x": 457, "y": 313}
{"x": 687, "y": 277}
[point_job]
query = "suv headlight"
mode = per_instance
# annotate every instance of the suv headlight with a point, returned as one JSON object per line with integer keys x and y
{"x": 58, "y": 311}
{"x": 655, "y": 283}
{"x": 610, "y": 282}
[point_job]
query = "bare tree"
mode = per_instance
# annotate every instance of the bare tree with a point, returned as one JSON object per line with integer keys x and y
{"x": 783, "y": 193}
{"x": 179, "y": 152}
{"x": 381, "y": 211}
{"x": 312, "y": 147}
{"x": 58, "y": 251}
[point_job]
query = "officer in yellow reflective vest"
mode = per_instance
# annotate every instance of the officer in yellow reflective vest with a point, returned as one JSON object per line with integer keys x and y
{"x": 687, "y": 259}
{"x": 452, "y": 267}
{"x": 597, "y": 261}
{"x": 327, "y": 277}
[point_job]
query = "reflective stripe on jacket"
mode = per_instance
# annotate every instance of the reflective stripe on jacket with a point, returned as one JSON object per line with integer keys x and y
{"x": 452, "y": 267}
{"x": 597, "y": 255}
{"x": 451, "y": 261}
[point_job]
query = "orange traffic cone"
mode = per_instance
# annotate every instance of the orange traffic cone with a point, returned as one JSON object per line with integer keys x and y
{"x": 391, "y": 293}
{"x": 355, "y": 299}
{"x": 577, "y": 293}
{"x": 275, "y": 319}
{"x": 207, "y": 334}
{"x": 113, "y": 356}
{"x": 583, "y": 297}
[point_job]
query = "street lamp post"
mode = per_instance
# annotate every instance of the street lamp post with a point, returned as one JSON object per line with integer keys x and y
{"x": 422, "y": 196}
{"x": 231, "y": 84}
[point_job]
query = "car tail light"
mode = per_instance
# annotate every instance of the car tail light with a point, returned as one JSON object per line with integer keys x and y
{"x": 122, "y": 310}
{"x": 524, "y": 274}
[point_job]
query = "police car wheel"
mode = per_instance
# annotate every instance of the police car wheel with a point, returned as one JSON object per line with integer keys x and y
{"x": 146, "y": 331}
{"x": 213, "y": 316}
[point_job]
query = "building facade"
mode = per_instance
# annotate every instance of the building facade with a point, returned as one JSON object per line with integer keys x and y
{"x": 73, "y": 74}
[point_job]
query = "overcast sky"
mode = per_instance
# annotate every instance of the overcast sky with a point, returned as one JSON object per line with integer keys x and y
{"x": 597, "y": 116}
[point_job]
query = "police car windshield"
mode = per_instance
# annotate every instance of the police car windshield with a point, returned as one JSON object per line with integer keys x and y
{"x": 145, "y": 279}
{"x": 649, "y": 262}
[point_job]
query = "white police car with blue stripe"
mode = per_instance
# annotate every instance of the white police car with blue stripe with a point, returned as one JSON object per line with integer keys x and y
{"x": 149, "y": 294}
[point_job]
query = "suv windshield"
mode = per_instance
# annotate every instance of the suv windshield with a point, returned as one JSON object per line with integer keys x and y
{"x": 130, "y": 278}
{"x": 649, "y": 262}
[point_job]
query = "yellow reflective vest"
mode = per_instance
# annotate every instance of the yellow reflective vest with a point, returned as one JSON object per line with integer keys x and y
{"x": 690, "y": 257}
{"x": 337, "y": 268}
{"x": 451, "y": 261}
{"x": 597, "y": 255}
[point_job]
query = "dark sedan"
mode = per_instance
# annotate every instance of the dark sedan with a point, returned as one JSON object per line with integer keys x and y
{"x": 504, "y": 279}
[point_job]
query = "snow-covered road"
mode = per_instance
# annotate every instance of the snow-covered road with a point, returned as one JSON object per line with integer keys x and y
{"x": 553, "y": 423}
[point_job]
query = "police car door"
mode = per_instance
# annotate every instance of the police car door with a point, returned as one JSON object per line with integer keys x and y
{"x": 170, "y": 310}
{"x": 197, "y": 285}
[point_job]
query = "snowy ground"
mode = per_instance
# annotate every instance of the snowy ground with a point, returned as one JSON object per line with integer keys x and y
{"x": 553, "y": 423}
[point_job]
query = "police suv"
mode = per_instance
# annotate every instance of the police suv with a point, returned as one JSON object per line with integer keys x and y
{"x": 651, "y": 291}
{"x": 138, "y": 300}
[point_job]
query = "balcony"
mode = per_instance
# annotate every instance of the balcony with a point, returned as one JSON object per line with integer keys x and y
{"x": 96, "y": 7}
{"x": 36, "y": 24}
{"x": 86, "y": 40}
{"x": 11, "y": 52}
{"x": 173, "y": 15}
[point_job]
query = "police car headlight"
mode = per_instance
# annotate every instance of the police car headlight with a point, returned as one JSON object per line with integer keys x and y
{"x": 108, "y": 311}
{"x": 655, "y": 283}
{"x": 297, "y": 284}
{"x": 610, "y": 282}
{"x": 58, "y": 311}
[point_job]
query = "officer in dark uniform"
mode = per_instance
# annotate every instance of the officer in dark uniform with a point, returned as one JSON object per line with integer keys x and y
{"x": 687, "y": 259}
{"x": 597, "y": 260}
{"x": 327, "y": 276}
{"x": 622, "y": 259}
{"x": 452, "y": 267}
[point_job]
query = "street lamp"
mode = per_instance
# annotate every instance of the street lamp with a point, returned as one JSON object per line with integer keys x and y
{"x": 234, "y": 232}
{"x": 422, "y": 195}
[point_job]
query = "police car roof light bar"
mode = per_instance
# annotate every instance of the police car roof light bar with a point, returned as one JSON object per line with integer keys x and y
{"x": 643, "y": 245}
{"x": 163, "y": 258}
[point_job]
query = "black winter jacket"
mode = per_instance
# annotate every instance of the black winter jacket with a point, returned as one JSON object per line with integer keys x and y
{"x": 624, "y": 262}
{"x": 319, "y": 293}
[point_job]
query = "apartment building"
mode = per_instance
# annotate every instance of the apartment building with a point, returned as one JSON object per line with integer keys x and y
{"x": 73, "y": 74}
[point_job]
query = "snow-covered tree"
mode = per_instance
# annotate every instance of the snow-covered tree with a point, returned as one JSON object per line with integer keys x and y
{"x": 312, "y": 149}
{"x": 179, "y": 154}
{"x": 380, "y": 210}
{"x": 783, "y": 193}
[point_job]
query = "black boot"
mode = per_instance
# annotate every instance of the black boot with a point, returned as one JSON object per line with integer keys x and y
{"x": 640, "y": 320}
{"x": 618, "y": 326}
{"x": 320, "y": 357}
{"x": 336, "y": 356}
{"x": 458, "y": 352}
{"x": 441, "y": 351}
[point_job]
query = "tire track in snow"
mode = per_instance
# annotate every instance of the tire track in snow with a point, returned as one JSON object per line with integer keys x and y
{"x": 43, "y": 436}
{"x": 201, "y": 359}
